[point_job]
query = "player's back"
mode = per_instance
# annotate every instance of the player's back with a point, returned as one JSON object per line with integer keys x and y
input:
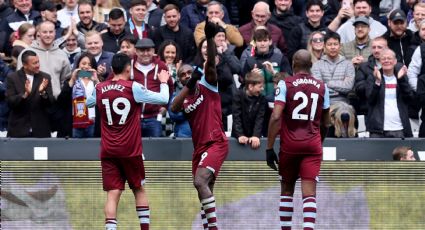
{"x": 120, "y": 119}
{"x": 300, "y": 128}
{"x": 203, "y": 109}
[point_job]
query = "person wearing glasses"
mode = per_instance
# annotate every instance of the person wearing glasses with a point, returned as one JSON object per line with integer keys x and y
{"x": 316, "y": 45}
{"x": 359, "y": 49}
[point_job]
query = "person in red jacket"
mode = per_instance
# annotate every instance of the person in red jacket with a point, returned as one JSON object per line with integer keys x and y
{"x": 145, "y": 70}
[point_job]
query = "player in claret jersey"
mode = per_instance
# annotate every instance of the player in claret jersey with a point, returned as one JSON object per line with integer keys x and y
{"x": 302, "y": 110}
{"x": 121, "y": 146}
{"x": 201, "y": 103}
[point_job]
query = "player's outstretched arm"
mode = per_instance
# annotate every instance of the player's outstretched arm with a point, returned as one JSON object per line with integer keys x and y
{"x": 143, "y": 95}
{"x": 211, "y": 29}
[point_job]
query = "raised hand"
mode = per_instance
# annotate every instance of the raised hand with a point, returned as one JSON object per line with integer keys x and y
{"x": 402, "y": 72}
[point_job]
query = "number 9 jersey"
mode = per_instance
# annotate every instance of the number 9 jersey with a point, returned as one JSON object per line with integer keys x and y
{"x": 303, "y": 98}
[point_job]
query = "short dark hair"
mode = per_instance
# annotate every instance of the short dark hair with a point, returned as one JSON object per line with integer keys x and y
{"x": 26, "y": 54}
{"x": 119, "y": 62}
{"x": 400, "y": 152}
{"x": 138, "y": 2}
{"x": 311, "y": 3}
{"x": 128, "y": 38}
{"x": 331, "y": 34}
{"x": 367, "y": 1}
{"x": 261, "y": 34}
{"x": 169, "y": 7}
{"x": 116, "y": 13}
{"x": 84, "y": 2}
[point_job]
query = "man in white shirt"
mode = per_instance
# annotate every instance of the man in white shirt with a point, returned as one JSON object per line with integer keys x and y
{"x": 69, "y": 12}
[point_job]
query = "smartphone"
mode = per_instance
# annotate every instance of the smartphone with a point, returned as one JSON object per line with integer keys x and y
{"x": 85, "y": 73}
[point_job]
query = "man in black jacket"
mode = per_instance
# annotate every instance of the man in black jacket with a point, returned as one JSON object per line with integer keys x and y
{"x": 284, "y": 17}
{"x": 115, "y": 31}
{"x": 29, "y": 94}
{"x": 174, "y": 30}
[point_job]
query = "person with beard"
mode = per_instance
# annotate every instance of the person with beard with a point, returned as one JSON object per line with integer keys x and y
{"x": 358, "y": 50}
{"x": 283, "y": 16}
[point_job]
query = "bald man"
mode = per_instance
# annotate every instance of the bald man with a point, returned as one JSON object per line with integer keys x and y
{"x": 301, "y": 113}
{"x": 260, "y": 16}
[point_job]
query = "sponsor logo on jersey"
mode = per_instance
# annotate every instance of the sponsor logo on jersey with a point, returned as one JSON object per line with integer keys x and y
{"x": 113, "y": 87}
{"x": 302, "y": 81}
{"x": 194, "y": 105}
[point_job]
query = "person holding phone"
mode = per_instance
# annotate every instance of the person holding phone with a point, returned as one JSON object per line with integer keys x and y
{"x": 83, "y": 80}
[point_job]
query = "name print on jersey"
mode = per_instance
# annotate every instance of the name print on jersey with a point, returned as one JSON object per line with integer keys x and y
{"x": 193, "y": 106}
{"x": 113, "y": 87}
{"x": 306, "y": 81}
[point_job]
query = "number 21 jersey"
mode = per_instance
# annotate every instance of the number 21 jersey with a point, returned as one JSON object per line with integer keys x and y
{"x": 303, "y": 98}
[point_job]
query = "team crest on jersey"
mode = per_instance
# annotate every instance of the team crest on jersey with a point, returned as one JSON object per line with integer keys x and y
{"x": 277, "y": 92}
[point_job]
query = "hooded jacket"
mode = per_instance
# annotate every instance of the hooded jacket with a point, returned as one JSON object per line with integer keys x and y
{"x": 54, "y": 62}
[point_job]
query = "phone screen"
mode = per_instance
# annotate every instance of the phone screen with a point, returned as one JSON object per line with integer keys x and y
{"x": 85, "y": 73}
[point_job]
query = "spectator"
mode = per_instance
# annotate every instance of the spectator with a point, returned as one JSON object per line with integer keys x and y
{"x": 284, "y": 17}
{"x": 181, "y": 124}
{"x": 399, "y": 37}
{"x": 333, "y": 69}
{"x": 85, "y": 12}
{"x": 195, "y": 12}
{"x": 71, "y": 47}
{"x": 22, "y": 14}
{"x": 215, "y": 13}
{"x": 338, "y": 12}
{"x": 68, "y": 13}
{"x": 421, "y": 100}
{"x": 174, "y": 30}
{"x": 388, "y": 94}
{"x": 116, "y": 30}
{"x": 169, "y": 53}
{"x": 403, "y": 153}
{"x": 248, "y": 111}
{"x": 418, "y": 16}
{"x": 146, "y": 68}
{"x": 365, "y": 71}
{"x": 227, "y": 64}
{"x": 386, "y": 7}
{"x": 94, "y": 45}
{"x": 358, "y": 50}
{"x": 361, "y": 8}
{"x": 316, "y": 45}
{"x": 266, "y": 59}
{"x": 154, "y": 15}
{"x": 4, "y": 109}
{"x": 83, "y": 80}
{"x": 416, "y": 67}
{"x": 301, "y": 32}
{"x": 25, "y": 35}
{"x": 29, "y": 95}
{"x": 48, "y": 11}
{"x": 136, "y": 24}
{"x": 59, "y": 69}
{"x": 102, "y": 9}
{"x": 127, "y": 46}
{"x": 260, "y": 17}
{"x": 5, "y": 10}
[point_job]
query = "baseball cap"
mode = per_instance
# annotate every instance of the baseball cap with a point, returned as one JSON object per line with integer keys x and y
{"x": 361, "y": 19}
{"x": 50, "y": 6}
{"x": 396, "y": 15}
{"x": 144, "y": 43}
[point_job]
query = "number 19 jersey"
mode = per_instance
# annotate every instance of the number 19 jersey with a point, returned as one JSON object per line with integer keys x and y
{"x": 120, "y": 119}
{"x": 303, "y": 98}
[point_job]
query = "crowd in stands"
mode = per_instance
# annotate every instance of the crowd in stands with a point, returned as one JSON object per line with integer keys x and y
{"x": 369, "y": 53}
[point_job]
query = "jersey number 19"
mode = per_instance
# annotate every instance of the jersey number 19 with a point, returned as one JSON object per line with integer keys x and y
{"x": 123, "y": 112}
